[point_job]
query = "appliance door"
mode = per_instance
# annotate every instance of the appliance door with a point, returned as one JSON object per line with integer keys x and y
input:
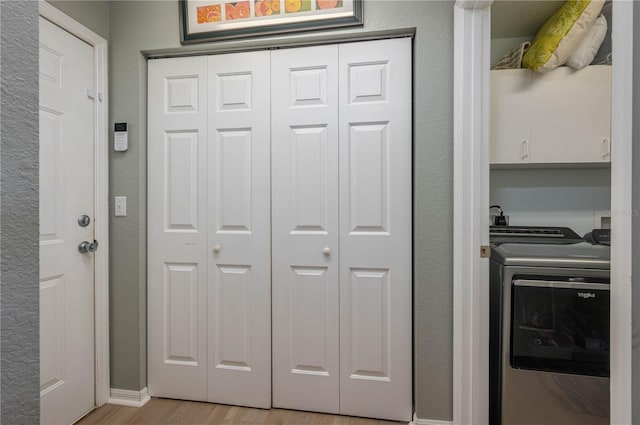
{"x": 560, "y": 326}
{"x": 557, "y": 351}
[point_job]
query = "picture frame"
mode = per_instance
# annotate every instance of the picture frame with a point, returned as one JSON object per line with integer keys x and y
{"x": 213, "y": 20}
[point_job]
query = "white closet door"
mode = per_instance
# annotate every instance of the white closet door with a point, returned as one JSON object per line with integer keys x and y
{"x": 375, "y": 229}
{"x": 239, "y": 240}
{"x": 177, "y": 220}
{"x": 305, "y": 228}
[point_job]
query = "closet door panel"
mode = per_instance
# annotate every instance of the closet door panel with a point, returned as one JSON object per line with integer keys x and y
{"x": 239, "y": 271}
{"x": 305, "y": 228}
{"x": 375, "y": 229}
{"x": 177, "y": 153}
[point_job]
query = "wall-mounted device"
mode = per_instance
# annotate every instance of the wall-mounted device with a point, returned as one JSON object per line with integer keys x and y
{"x": 499, "y": 220}
{"x": 120, "y": 137}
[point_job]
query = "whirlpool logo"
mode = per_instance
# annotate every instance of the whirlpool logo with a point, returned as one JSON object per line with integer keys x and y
{"x": 586, "y": 295}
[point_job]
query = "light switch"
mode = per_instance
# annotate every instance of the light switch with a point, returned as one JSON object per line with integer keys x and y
{"x": 121, "y": 206}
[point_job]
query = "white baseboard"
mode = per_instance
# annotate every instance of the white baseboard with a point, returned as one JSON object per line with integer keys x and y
{"x": 128, "y": 397}
{"x": 417, "y": 421}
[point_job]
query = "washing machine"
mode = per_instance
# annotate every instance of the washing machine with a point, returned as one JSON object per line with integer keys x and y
{"x": 549, "y": 330}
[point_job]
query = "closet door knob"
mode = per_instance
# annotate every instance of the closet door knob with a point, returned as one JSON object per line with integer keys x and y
{"x": 216, "y": 249}
{"x": 326, "y": 251}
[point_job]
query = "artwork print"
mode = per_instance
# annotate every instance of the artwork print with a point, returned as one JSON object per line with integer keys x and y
{"x": 210, "y": 20}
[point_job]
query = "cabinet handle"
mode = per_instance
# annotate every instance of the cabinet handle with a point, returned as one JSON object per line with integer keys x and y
{"x": 607, "y": 148}
{"x": 216, "y": 249}
{"x": 525, "y": 149}
{"x": 326, "y": 251}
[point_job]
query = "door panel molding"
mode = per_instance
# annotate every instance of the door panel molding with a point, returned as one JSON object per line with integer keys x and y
{"x": 101, "y": 190}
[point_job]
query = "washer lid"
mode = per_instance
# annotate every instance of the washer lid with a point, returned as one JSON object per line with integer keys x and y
{"x": 580, "y": 255}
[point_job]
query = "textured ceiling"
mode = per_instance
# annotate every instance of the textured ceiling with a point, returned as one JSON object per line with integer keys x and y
{"x": 520, "y": 18}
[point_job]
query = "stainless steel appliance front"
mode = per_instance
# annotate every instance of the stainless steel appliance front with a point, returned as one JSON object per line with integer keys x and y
{"x": 551, "y": 356}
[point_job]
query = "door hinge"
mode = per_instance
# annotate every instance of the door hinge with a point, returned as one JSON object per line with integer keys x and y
{"x": 485, "y": 251}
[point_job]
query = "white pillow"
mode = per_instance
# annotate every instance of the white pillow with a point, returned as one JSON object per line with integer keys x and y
{"x": 561, "y": 34}
{"x": 588, "y": 47}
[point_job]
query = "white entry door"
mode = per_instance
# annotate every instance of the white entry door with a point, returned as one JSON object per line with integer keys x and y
{"x": 67, "y": 389}
{"x": 209, "y": 270}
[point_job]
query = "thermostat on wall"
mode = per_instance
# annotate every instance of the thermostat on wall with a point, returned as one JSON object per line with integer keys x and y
{"x": 120, "y": 138}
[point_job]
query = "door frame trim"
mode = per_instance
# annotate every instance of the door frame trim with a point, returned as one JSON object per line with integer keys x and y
{"x": 472, "y": 37}
{"x": 101, "y": 182}
{"x": 252, "y": 44}
{"x": 622, "y": 212}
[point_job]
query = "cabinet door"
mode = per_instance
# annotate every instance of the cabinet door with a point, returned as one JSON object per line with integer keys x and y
{"x": 375, "y": 229}
{"x": 571, "y": 115}
{"x": 510, "y": 116}
{"x": 238, "y": 251}
{"x": 177, "y": 228}
{"x": 305, "y": 228}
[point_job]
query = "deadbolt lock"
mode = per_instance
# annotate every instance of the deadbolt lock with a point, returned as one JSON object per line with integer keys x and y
{"x": 84, "y": 220}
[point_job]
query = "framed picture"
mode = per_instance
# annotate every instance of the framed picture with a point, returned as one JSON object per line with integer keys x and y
{"x": 211, "y": 20}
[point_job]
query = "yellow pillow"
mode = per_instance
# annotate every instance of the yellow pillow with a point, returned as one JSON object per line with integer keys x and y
{"x": 560, "y": 35}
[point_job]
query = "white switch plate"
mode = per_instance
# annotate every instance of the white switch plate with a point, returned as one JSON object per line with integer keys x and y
{"x": 121, "y": 206}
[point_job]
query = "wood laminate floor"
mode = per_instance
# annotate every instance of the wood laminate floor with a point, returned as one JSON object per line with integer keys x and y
{"x": 162, "y": 411}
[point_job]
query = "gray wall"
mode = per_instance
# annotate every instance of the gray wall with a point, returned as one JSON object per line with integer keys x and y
{"x": 19, "y": 317}
{"x": 93, "y": 14}
{"x": 136, "y": 27}
{"x": 635, "y": 252}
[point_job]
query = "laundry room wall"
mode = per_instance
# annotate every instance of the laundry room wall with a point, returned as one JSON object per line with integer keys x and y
{"x": 571, "y": 197}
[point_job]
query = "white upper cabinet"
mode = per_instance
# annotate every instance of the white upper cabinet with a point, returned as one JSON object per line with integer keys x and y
{"x": 560, "y": 117}
{"x": 510, "y": 116}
